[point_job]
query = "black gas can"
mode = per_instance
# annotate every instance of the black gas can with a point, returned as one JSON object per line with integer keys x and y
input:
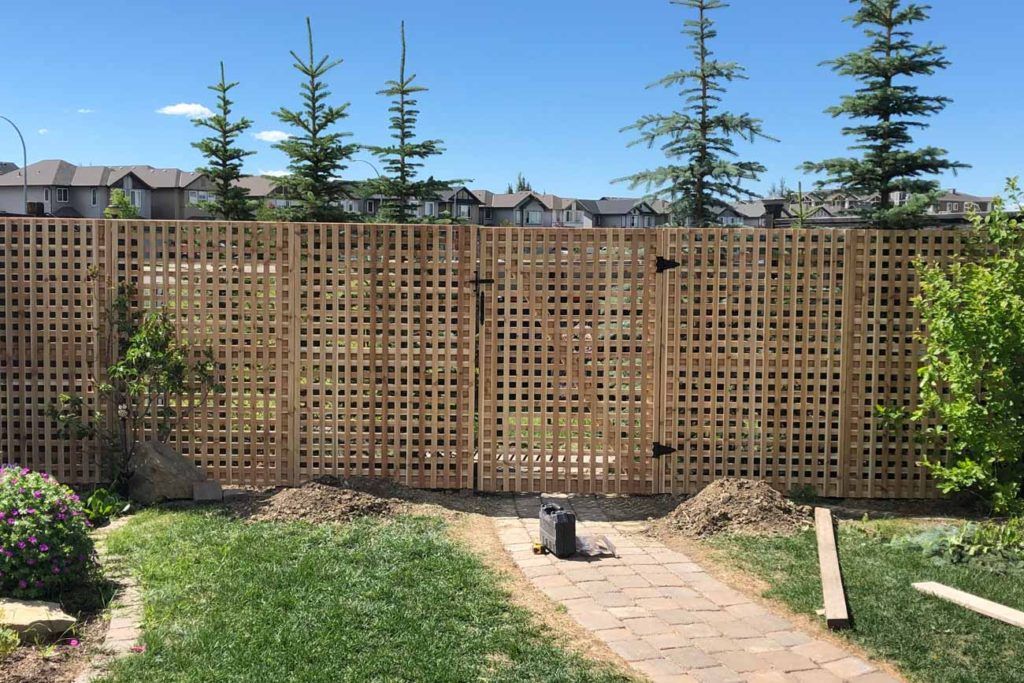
{"x": 557, "y": 530}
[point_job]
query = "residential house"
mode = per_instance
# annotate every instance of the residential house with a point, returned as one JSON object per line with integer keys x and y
{"x": 59, "y": 188}
{"x": 952, "y": 202}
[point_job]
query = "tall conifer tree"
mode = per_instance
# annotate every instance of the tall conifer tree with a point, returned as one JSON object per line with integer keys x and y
{"x": 316, "y": 156}
{"x": 223, "y": 158}
{"x": 405, "y": 155}
{"x": 886, "y": 109}
{"x": 698, "y": 138}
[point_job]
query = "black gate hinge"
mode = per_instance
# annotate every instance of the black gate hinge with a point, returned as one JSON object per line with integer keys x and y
{"x": 660, "y": 449}
{"x": 664, "y": 264}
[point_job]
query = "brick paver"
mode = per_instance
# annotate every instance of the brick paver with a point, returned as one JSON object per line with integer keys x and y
{"x": 663, "y": 614}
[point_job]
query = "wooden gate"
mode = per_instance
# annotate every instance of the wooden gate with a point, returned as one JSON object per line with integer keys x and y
{"x": 566, "y": 360}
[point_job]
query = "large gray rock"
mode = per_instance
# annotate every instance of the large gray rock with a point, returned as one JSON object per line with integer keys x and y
{"x": 34, "y": 620}
{"x": 159, "y": 473}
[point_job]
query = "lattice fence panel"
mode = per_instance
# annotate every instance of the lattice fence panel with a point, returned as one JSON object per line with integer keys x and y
{"x": 750, "y": 370}
{"x": 386, "y": 353}
{"x": 566, "y": 360}
{"x": 48, "y": 314}
{"x": 883, "y": 353}
{"x": 228, "y": 286}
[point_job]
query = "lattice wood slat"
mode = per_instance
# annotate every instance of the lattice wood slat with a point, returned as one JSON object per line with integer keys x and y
{"x": 566, "y": 360}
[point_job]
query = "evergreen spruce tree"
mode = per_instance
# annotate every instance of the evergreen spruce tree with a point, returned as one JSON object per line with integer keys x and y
{"x": 889, "y": 108}
{"x": 316, "y": 156}
{"x": 521, "y": 185}
{"x": 698, "y": 135}
{"x": 402, "y": 158}
{"x": 224, "y": 159}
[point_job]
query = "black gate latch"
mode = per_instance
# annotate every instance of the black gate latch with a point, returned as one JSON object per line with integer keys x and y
{"x": 663, "y": 264}
{"x": 660, "y": 449}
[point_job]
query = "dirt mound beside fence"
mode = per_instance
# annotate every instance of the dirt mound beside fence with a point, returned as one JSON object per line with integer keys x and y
{"x": 739, "y": 506}
{"x": 321, "y": 501}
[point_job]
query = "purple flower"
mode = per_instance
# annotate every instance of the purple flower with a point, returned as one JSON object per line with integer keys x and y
{"x": 56, "y": 569}
{"x": 37, "y": 494}
{"x": 43, "y": 547}
{"x": 33, "y": 540}
{"x": 23, "y": 584}
{"x": 21, "y": 545}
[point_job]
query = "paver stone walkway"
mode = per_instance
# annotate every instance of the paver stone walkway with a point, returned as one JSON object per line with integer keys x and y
{"x": 663, "y": 613}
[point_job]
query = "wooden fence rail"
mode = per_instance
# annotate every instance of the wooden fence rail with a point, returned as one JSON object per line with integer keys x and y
{"x": 499, "y": 358}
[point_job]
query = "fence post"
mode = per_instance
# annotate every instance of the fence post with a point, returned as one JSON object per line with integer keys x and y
{"x": 293, "y": 323}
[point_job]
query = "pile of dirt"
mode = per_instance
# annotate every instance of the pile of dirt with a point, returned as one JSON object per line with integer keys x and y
{"x": 321, "y": 501}
{"x": 739, "y": 506}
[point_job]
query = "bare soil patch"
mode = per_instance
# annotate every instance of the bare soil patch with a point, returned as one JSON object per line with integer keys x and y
{"x": 738, "y": 506}
{"x": 324, "y": 500}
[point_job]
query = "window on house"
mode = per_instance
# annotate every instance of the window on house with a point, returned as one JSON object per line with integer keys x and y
{"x": 95, "y": 196}
{"x": 46, "y": 195}
{"x": 954, "y": 207}
{"x": 533, "y": 217}
{"x": 62, "y": 195}
{"x": 463, "y": 210}
{"x": 197, "y": 196}
{"x": 430, "y": 209}
{"x": 136, "y": 198}
{"x": 570, "y": 216}
{"x": 370, "y": 206}
{"x": 487, "y": 214}
{"x": 519, "y": 217}
{"x": 970, "y": 206}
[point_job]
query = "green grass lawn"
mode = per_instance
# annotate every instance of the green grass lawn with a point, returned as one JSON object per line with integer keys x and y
{"x": 370, "y": 601}
{"x": 929, "y": 639}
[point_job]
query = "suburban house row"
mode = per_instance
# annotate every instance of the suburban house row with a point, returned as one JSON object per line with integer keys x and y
{"x": 840, "y": 208}
{"x": 59, "y": 188}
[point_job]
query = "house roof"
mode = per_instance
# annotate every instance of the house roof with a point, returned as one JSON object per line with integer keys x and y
{"x": 60, "y": 172}
{"x": 48, "y": 172}
{"x": 156, "y": 178}
{"x": 7, "y": 166}
{"x": 952, "y": 195}
{"x": 258, "y": 185}
{"x": 618, "y": 205}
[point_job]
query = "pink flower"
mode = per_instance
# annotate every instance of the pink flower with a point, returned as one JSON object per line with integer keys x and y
{"x": 138, "y": 648}
{"x": 73, "y": 642}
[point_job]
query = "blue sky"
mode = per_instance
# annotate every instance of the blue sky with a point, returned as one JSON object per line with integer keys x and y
{"x": 541, "y": 87}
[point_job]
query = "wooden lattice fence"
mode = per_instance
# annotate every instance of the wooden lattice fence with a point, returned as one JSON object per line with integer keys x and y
{"x": 531, "y": 359}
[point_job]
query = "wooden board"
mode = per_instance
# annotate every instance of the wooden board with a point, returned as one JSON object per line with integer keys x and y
{"x": 837, "y": 615}
{"x": 973, "y": 602}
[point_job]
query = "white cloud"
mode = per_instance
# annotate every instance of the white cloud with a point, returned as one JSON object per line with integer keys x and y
{"x": 85, "y": 110}
{"x": 189, "y": 109}
{"x": 271, "y": 135}
{"x": 44, "y": 131}
{"x": 274, "y": 174}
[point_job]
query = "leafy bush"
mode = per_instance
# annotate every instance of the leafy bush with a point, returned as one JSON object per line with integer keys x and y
{"x": 44, "y": 540}
{"x": 971, "y": 406}
{"x": 102, "y": 504}
{"x": 9, "y": 641}
{"x": 995, "y": 546}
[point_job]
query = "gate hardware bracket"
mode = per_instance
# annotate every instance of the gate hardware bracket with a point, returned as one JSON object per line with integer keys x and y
{"x": 664, "y": 264}
{"x": 660, "y": 449}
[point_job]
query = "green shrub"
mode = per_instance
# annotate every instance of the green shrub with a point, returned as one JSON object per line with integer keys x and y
{"x": 44, "y": 539}
{"x": 8, "y": 641}
{"x": 996, "y": 546}
{"x": 102, "y": 504}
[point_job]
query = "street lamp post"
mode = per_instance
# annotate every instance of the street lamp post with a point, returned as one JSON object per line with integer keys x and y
{"x": 24, "y": 164}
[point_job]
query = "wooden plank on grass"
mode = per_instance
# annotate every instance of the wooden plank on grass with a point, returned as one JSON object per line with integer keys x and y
{"x": 836, "y": 613}
{"x": 973, "y": 602}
